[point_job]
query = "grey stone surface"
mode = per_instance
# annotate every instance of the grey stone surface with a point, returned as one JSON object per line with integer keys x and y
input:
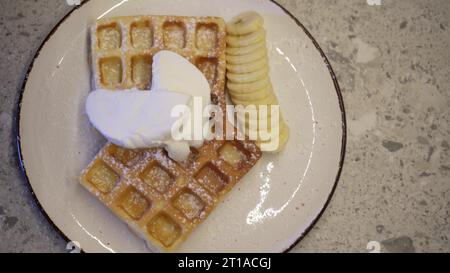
{"x": 392, "y": 62}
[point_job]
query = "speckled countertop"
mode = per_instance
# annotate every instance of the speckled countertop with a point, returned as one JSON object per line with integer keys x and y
{"x": 393, "y": 64}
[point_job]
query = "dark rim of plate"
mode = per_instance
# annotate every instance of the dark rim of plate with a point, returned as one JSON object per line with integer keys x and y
{"x": 330, "y": 69}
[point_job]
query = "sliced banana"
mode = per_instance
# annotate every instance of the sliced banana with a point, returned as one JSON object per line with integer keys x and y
{"x": 256, "y": 122}
{"x": 282, "y": 140}
{"x": 245, "y": 23}
{"x": 253, "y": 96}
{"x": 248, "y": 87}
{"x": 262, "y": 120}
{"x": 269, "y": 100}
{"x": 249, "y": 82}
{"x": 246, "y": 40}
{"x": 238, "y": 51}
{"x": 248, "y": 67}
{"x": 248, "y": 77}
{"x": 252, "y": 128}
{"x": 267, "y": 133}
{"x": 250, "y": 98}
{"x": 247, "y": 58}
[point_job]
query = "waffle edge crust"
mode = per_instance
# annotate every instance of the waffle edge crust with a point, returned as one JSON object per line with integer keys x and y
{"x": 160, "y": 199}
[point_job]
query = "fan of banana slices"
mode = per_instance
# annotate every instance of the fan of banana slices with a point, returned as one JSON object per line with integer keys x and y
{"x": 248, "y": 73}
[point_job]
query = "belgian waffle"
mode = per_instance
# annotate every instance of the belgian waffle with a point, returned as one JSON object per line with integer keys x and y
{"x": 123, "y": 48}
{"x": 160, "y": 199}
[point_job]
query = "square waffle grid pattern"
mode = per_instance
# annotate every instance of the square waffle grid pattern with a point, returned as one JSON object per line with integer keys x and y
{"x": 160, "y": 199}
{"x": 123, "y": 48}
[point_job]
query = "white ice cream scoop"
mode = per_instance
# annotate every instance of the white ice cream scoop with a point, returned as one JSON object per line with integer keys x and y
{"x": 141, "y": 119}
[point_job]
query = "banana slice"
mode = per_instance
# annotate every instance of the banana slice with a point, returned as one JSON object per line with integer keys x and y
{"x": 248, "y": 39}
{"x": 247, "y": 58}
{"x": 269, "y": 100}
{"x": 261, "y": 120}
{"x": 250, "y": 98}
{"x": 253, "y": 96}
{"x": 248, "y": 67}
{"x": 238, "y": 51}
{"x": 267, "y": 133}
{"x": 245, "y": 23}
{"x": 258, "y": 122}
{"x": 248, "y": 87}
{"x": 248, "y": 77}
{"x": 282, "y": 140}
{"x": 250, "y": 126}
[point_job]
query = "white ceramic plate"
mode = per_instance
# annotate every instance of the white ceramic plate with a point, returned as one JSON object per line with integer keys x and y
{"x": 268, "y": 211}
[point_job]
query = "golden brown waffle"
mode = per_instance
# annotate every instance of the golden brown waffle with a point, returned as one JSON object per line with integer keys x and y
{"x": 160, "y": 199}
{"x": 123, "y": 48}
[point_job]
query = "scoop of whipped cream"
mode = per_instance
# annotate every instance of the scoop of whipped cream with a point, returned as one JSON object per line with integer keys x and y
{"x": 141, "y": 119}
